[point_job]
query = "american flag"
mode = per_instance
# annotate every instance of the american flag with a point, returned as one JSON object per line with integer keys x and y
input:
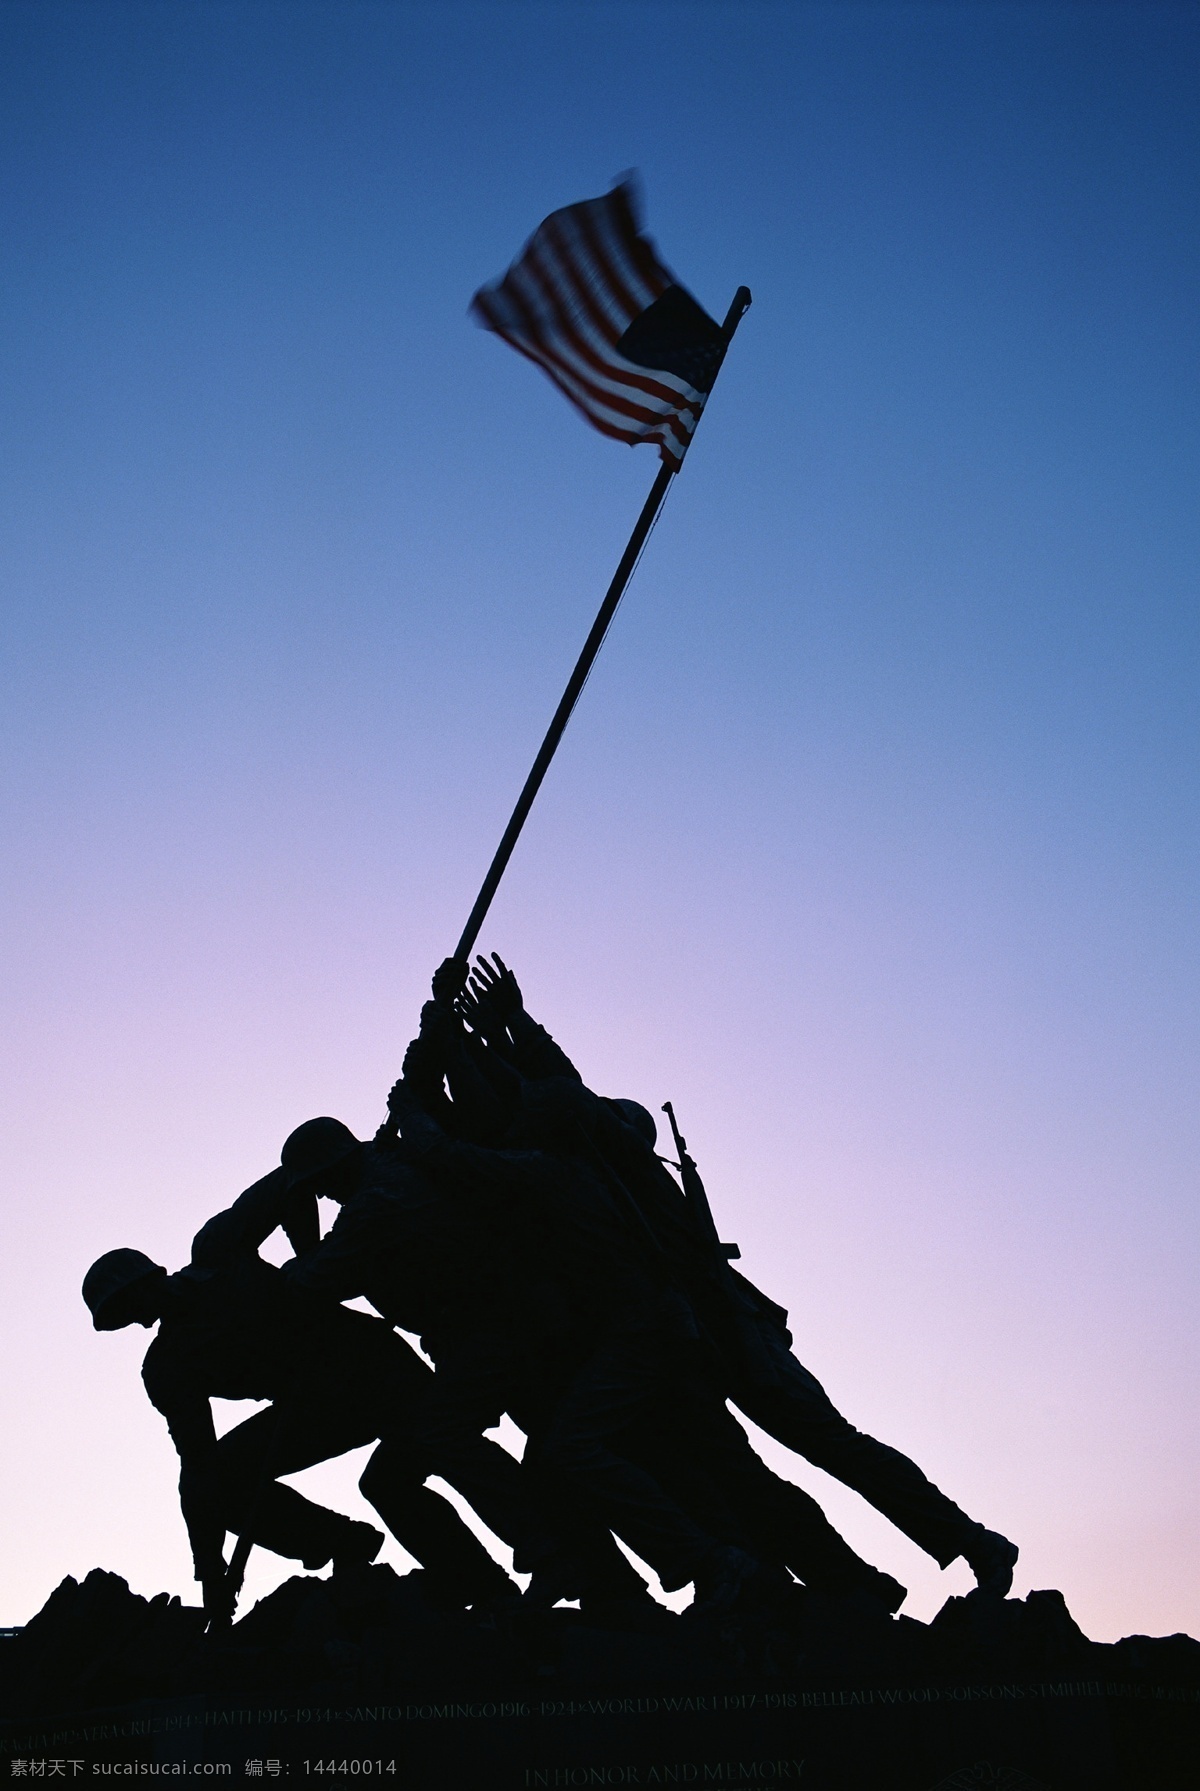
{"x": 589, "y": 301}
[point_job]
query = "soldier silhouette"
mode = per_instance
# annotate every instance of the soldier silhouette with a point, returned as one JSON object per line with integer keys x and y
{"x": 762, "y": 1377}
{"x": 231, "y": 1326}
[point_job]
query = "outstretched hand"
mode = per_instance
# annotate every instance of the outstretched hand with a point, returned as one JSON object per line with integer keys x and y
{"x": 495, "y": 984}
{"x": 481, "y": 1015}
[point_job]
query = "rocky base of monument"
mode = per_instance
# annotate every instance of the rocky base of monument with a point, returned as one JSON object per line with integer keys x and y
{"x": 369, "y": 1678}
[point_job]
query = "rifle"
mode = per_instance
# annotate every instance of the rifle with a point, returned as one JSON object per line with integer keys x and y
{"x": 755, "y": 1323}
{"x": 697, "y": 1198}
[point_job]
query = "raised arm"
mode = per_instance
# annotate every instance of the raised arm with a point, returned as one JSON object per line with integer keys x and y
{"x": 476, "y": 1109}
{"x": 338, "y": 1267}
{"x": 265, "y": 1206}
{"x": 463, "y": 1170}
{"x": 534, "y": 1053}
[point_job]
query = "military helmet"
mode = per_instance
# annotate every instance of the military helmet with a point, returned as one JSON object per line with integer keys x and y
{"x": 110, "y": 1278}
{"x": 316, "y": 1146}
{"x": 640, "y": 1118}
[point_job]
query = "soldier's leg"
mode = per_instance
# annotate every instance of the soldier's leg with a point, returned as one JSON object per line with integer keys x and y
{"x": 392, "y": 1384}
{"x": 327, "y": 1418}
{"x": 282, "y": 1441}
{"x": 628, "y": 1378}
{"x": 442, "y": 1434}
{"x": 763, "y": 1512}
{"x": 431, "y": 1530}
{"x": 798, "y": 1413}
{"x": 569, "y": 1552}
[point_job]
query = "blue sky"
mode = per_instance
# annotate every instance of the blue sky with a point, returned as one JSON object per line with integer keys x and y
{"x": 873, "y": 842}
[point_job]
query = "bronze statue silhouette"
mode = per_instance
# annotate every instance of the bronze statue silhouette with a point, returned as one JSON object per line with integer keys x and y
{"x": 527, "y": 1231}
{"x": 231, "y": 1326}
{"x": 760, "y": 1375}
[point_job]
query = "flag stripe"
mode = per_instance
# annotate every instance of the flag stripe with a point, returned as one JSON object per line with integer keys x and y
{"x": 567, "y": 296}
{"x": 583, "y": 278}
{"x": 607, "y": 270}
{"x": 654, "y": 275}
{"x": 668, "y": 429}
{"x": 565, "y": 344}
{"x": 614, "y": 265}
{"x": 596, "y": 417}
{"x": 614, "y": 221}
{"x": 587, "y": 395}
{"x": 593, "y": 298}
{"x": 609, "y": 366}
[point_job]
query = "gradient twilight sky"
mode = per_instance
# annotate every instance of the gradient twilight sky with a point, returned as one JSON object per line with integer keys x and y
{"x": 873, "y": 843}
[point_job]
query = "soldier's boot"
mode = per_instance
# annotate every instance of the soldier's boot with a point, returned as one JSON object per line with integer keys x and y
{"x": 883, "y": 1590}
{"x": 353, "y": 1579}
{"x": 637, "y": 1612}
{"x": 588, "y": 1566}
{"x": 357, "y": 1547}
{"x": 484, "y": 1590}
{"x": 340, "y": 1540}
{"x": 728, "y": 1576}
{"x": 459, "y": 1571}
{"x": 991, "y": 1558}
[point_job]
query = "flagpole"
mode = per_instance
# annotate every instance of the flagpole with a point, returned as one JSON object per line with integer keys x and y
{"x": 583, "y": 665}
